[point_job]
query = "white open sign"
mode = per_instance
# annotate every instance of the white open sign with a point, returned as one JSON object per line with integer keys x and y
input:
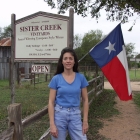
{"x": 40, "y": 68}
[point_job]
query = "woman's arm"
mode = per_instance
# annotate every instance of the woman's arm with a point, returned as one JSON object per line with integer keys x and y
{"x": 53, "y": 129}
{"x": 85, "y": 109}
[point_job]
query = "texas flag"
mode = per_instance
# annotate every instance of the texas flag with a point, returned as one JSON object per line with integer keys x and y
{"x": 110, "y": 56}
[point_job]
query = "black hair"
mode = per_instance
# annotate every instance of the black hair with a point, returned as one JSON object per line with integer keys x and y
{"x": 60, "y": 67}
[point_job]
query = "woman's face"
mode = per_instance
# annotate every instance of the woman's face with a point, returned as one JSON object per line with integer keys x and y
{"x": 68, "y": 61}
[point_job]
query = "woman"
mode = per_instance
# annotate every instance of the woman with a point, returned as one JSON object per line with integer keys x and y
{"x": 66, "y": 89}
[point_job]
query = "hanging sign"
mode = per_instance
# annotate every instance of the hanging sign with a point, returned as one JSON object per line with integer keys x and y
{"x": 40, "y": 37}
{"x": 38, "y": 68}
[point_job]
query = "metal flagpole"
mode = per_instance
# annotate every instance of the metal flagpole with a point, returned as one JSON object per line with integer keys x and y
{"x": 83, "y": 57}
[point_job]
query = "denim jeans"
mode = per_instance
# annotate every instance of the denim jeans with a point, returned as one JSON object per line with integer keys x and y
{"x": 68, "y": 120}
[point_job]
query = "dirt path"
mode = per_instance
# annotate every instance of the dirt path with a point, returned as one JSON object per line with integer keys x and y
{"x": 125, "y": 126}
{"x": 135, "y": 86}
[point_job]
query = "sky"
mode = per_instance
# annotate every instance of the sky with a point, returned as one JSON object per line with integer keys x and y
{"x": 23, "y": 8}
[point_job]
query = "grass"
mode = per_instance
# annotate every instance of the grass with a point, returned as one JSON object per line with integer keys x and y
{"x": 137, "y": 99}
{"x": 101, "y": 107}
{"x": 34, "y": 98}
{"x": 134, "y": 75}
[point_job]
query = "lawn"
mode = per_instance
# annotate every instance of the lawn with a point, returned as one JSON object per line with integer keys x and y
{"x": 32, "y": 99}
{"x": 134, "y": 75}
{"x": 35, "y": 98}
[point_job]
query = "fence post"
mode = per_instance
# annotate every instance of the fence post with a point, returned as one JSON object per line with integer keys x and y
{"x": 103, "y": 81}
{"x": 14, "y": 116}
{"x": 95, "y": 83}
{"x": 34, "y": 79}
{"x": 19, "y": 78}
{"x": 31, "y": 75}
{"x": 10, "y": 72}
{"x": 46, "y": 77}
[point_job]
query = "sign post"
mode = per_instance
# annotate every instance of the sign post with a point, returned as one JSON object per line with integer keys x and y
{"x": 12, "y": 64}
{"x": 39, "y": 38}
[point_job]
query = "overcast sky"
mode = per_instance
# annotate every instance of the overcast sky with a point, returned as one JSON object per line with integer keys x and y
{"x": 23, "y": 8}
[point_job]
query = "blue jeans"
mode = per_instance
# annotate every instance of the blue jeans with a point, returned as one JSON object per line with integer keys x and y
{"x": 68, "y": 120}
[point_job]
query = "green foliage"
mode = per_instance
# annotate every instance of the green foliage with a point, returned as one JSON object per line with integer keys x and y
{"x": 87, "y": 77}
{"x": 129, "y": 52}
{"x": 89, "y": 40}
{"x": 129, "y": 48}
{"x": 138, "y": 56}
{"x": 119, "y": 10}
{"x": 5, "y": 32}
{"x": 77, "y": 41}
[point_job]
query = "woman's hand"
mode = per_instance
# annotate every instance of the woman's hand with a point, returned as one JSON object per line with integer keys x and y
{"x": 53, "y": 131}
{"x": 85, "y": 127}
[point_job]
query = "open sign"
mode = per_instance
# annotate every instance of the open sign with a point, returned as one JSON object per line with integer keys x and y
{"x": 40, "y": 68}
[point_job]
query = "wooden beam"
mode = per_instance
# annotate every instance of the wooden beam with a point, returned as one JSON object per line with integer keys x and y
{"x": 14, "y": 115}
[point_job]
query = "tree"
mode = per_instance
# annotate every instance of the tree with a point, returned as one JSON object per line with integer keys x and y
{"x": 129, "y": 52}
{"x": 5, "y": 32}
{"x": 119, "y": 10}
{"x": 138, "y": 64}
{"x": 138, "y": 56}
{"x": 77, "y": 41}
{"x": 0, "y": 32}
{"x": 129, "y": 49}
{"x": 89, "y": 40}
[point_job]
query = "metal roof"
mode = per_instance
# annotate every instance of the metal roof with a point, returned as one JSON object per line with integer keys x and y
{"x": 5, "y": 42}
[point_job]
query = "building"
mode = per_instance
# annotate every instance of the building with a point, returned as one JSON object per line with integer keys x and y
{"x": 5, "y": 55}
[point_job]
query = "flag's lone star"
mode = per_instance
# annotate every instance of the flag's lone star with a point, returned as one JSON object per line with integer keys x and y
{"x": 110, "y": 47}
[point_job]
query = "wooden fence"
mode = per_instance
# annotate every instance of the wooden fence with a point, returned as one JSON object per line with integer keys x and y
{"x": 16, "y": 124}
{"x": 34, "y": 78}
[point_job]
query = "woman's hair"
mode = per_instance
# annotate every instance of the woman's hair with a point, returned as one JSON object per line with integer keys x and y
{"x": 60, "y": 67}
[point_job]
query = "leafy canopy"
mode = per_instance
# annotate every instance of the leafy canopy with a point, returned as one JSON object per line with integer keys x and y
{"x": 5, "y": 32}
{"x": 119, "y": 10}
{"x": 89, "y": 40}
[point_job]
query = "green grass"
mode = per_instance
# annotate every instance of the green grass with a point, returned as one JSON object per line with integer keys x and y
{"x": 134, "y": 75}
{"x": 101, "y": 107}
{"x": 137, "y": 99}
{"x": 32, "y": 99}
{"x": 35, "y": 98}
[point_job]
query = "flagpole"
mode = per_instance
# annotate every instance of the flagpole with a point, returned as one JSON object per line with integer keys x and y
{"x": 83, "y": 57}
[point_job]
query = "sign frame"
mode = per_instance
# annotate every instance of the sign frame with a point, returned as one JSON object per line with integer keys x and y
{"x": 69, "y": 38}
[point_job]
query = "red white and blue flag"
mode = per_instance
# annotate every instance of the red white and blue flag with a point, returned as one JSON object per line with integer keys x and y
{"x": 110, "y": 56}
